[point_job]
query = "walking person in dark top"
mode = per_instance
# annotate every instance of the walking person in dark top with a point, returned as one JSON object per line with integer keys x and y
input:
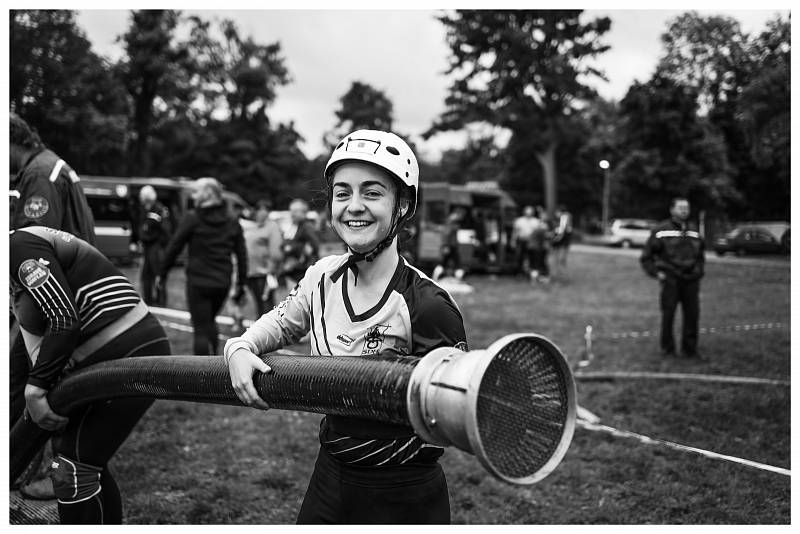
{"x": 675, "y": 255}
{"x": 213, "y": 235}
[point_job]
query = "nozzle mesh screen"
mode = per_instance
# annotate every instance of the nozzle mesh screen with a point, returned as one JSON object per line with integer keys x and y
{"x": 522, "y": 408}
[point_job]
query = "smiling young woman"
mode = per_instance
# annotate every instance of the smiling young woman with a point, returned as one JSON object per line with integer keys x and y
{"x": 364, "y": 302}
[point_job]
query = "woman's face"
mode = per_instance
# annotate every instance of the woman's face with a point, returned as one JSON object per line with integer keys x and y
{"x": 362, "y": 203}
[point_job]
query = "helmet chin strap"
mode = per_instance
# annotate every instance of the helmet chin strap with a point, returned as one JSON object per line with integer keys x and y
{"x": 370, "y": 256}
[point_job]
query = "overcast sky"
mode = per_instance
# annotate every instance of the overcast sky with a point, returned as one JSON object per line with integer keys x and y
{"x": 402, "y": 53}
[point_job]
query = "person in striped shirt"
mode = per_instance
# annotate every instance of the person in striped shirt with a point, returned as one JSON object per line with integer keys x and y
{"x": 365, "y": 302}
{"x": 75, "y": 308}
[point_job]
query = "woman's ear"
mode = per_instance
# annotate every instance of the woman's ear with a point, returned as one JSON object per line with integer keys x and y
{"x": 405, "y": 204}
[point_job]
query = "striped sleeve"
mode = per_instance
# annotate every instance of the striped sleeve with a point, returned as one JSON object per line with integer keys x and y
{"x": 36, "y": 270}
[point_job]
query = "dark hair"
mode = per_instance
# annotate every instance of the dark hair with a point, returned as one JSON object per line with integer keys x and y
{"x": 23, "y": 135}
{"x": 265, "y": 204}
{"x": 675, "y": 200}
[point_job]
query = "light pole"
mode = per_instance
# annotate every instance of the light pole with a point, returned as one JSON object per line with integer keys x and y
{"x": 606, "y": 166}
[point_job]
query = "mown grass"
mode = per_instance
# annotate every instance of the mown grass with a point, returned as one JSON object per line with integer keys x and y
{"x": 207, "y": 464}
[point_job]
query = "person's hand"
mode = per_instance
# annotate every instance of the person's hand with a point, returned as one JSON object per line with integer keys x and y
{"x": 241, "y": 366}
{"x": 661, "y": 276}
{"x": 39, "y": 410}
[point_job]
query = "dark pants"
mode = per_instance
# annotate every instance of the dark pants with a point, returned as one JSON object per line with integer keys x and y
{"x": 19, "y": 366}
{"x": 538, "y": 260}
{"x": 687, "y": 293}
{"x": 256, "y": 285}
{"x": 339, "y": 493}
{"x": 95, "y": 432}
{"x": 205, "y": 304}
{"x": 151, "y": 264}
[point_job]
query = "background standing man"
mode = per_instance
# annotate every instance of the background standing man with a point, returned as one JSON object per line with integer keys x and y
{"x": 153, "y": 234}
{"x": 675, "y": 255}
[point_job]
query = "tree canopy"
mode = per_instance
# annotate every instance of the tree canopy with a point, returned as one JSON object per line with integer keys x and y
{"x": 526, "y": 71}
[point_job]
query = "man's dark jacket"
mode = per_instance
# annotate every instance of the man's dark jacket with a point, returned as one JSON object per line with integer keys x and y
{"x": 675, "y": 249}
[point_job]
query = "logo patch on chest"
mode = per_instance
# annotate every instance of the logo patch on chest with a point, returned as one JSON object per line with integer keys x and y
{"x": 33, "y": 273}
{"x": 36, "y": 207}
{"x": 374, "y": 339}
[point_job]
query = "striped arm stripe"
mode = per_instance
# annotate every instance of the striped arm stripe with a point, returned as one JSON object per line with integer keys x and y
{"x": 54, "y": 301}
{"x": 99, "y": 293}
{"x": 98, "y": 282}
{"x": 105, "y": 302}
{"x": 45, "y": 301}
{"x": 57, "y": 170}
{"x": 108, "y": 309}
{"x": 398, "y": 451}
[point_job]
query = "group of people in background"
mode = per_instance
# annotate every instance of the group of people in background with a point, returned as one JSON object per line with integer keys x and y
{"x": 72, "y": 307}
{"x": 219, "y": 240}
{"x": 535, "y": 234}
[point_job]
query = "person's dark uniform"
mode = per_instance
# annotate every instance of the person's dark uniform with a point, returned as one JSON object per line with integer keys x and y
{"x": 154, "y": 236}
{"x": 677, "y": 250}
{"x": 213, "y": 235}
{"x": 50, "y": 195}
{"x": 45, "y": 192}
{"x": 75, "y": 309}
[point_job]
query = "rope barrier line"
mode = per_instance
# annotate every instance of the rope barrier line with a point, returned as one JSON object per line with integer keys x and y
{"x": 703, "y": 330}
{"x": 596, "y": 427}
{"x": 612, "y": 375}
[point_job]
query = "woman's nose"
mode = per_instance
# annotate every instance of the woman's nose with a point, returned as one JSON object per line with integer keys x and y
{"x": 356, "y": 203}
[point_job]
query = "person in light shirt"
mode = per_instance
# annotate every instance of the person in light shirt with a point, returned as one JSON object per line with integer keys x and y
{"x": 365, "y": 302}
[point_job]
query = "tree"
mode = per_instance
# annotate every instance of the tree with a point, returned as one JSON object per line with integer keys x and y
{"x": 707, "y": 54}
{"x": 669, "y": 150}
{"x": 764, "y": 113}
{"x": 736, "y": 78}
{"x": 362, "y": 107}
{"x": 155, "y": 68}
{"x": 66, "y": 91}
{"x": 525, "y": 71}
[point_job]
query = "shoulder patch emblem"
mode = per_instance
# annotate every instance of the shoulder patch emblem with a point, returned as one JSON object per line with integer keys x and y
{"x": 33, "y": 274}
{"x": 36, "y": 207}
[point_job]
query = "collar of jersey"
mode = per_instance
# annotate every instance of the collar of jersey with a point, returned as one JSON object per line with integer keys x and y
{"x": 375, "y": 309}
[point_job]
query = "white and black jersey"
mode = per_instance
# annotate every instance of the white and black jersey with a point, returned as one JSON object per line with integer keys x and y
{"x": 66, "y": 292}
{"x": 412, "y": 317}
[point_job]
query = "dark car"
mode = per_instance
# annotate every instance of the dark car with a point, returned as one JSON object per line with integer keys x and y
{"x": 750, "y": 239}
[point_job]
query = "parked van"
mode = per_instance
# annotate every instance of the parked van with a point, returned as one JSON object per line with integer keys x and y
{"x": 484, "y": 238}
{"x": 114, "y": 202}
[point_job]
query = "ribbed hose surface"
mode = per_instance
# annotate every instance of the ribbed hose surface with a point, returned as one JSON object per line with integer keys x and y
{"x": 367, "y": 387}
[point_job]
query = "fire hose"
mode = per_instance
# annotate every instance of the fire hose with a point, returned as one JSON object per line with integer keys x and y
{"x": 512, "y": 405}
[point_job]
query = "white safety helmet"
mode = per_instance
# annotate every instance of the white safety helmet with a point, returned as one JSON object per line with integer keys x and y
{"x": 384, "y": 149}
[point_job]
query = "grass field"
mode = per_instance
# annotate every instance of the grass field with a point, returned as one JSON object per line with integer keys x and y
{"x": 207, "y": 464}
